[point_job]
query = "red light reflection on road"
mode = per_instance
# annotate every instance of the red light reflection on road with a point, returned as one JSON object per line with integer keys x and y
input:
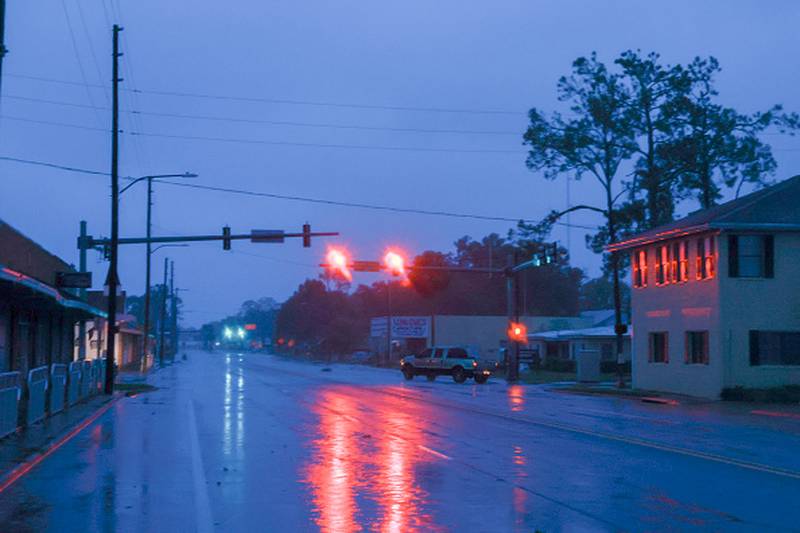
{"x": 516, "y": 397}
{"x": 365, "y": 462}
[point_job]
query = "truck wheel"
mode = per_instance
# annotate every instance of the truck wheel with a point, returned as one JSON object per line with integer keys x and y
{"x": 481, "y": 378}
{"x": 408, "y": 372}
{"x": 431, "y": 376}
{"x": 459, "y": 376}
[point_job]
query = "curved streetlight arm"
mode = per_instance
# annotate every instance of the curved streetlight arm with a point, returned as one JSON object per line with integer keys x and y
{"x": 154, "y": 250}
{"x": 158, "y": 176}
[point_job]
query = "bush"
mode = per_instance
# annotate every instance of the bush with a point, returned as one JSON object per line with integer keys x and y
{"x": 610, "y": 367}
{"x": 559, "y": 365}
{"x": 786, "y": 394}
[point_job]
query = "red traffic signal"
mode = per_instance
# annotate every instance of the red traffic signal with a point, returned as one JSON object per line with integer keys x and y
{"x": 518, "y": 332}
{"x": 394, "y": 263}
{"x": 338, "y": 263}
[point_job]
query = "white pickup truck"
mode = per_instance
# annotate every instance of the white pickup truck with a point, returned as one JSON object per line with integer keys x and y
{"x": 455, "y": 361}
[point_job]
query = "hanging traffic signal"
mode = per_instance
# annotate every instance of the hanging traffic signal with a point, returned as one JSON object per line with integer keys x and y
{"x": 394, "y": 263}
{"x": 306, "y": 235}
{"x": 226, "y": 238}
{"x": 518, "y": 332}
{"x": 338, "y": 263}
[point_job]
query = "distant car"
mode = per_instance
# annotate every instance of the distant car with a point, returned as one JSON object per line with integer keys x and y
{"x": 454, "y": 361}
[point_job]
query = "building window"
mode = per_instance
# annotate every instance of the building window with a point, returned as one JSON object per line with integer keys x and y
{"x": 663, "y": 265}
{"x": 659, "y": 347}
{"x": 696, "y": 348}
{"x": 774, "y": 347}
{"x": 706, "y": 265}
{"x": 640, "y": 268}
{"x": 680, "y": 262}
{"x": 751, "y": 256}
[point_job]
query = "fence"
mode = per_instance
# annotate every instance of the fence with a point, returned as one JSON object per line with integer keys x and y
{"x": 58, "y": 387}
{"x": 10, "y": 392}
{"x": 37, "y": 394}
{"x": 87, "y": 378}
{"x": 74, "y": 383}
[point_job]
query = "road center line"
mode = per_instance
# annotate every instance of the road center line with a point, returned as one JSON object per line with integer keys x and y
{"x": 203, "y": 506}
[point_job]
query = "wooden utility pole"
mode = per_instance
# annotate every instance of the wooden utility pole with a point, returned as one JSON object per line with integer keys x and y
{"x": 112, "y": 267}
{"x": 3, "y": 49}
{"x": 173, "y": 314}
{"x": 163, "y": 319}
{"x": 148, "y": 252}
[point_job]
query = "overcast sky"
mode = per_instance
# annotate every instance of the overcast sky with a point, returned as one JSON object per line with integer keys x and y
{"x": 385, "y": 60}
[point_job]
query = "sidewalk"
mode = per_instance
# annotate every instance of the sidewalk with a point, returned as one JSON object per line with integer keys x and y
{"x": 32, "y": 442}
{"x": 22, "y": 450}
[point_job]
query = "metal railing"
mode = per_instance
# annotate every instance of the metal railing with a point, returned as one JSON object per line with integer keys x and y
{"x": 74, "y": 382}
{"x": 87, "y": 377}
{"x": 58, "y": 387}
{"x": 10, "y": 392}
{"x": 37, "y": 394}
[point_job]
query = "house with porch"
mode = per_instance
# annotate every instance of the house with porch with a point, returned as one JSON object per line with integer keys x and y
{"x": 716, "y": 296}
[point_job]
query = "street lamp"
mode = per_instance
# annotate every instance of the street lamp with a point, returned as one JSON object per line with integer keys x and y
{"x": 149, "y": 252}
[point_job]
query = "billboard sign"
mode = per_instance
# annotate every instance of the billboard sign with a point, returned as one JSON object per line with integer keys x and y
{"x": 403, "y": 327}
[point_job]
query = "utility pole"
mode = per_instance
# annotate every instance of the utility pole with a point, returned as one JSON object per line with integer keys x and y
{"x": 163, "y": 319}
{"x": 82, "y": 294}
{"x": 146, "y": 347}
{"x": 388, "y": 322}
{"x": 173, "y": 315}
{"x": 512, "y": 353}
{"x": 112, "y": 268}
{"x": 3, "y": 49}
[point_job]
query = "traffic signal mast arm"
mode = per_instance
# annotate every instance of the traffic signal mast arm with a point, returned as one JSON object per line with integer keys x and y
{"x": 276, "y": 235}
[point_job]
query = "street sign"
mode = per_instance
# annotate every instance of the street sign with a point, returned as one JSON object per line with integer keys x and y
{"x": 74, "y": 280}
{"x": 403, "y": 327}
{"x": 366, "y": 266}
{"x": 267, "y": 235}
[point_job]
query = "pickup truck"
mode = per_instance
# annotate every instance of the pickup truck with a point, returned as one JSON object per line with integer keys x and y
{"x": 453, "y": 361}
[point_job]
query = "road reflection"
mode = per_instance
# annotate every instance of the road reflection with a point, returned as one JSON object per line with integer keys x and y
{"x": 516, "y": 397}
{"x": 363, "y": 471}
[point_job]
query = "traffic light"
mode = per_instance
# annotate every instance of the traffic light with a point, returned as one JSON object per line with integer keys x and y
{"x": 226, "y": 238}
{"x": 394, "y": 263}
{"x": 306, "y": 235}
{"x": 550, "y": 253}
{"x": 518, "y": 332}
{"x": 338, "y": 263}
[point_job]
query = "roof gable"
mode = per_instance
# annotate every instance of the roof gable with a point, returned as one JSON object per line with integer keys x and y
{"x": 775, "y": 207}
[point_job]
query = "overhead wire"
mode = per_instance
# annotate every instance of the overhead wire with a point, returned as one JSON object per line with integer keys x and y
{"x": 85, "y": 83}
{"x": 270, "y": 122}
{"x": 305, "y": 199}
{"x": 288, "y": 101}
{"x": 275, "y": 143}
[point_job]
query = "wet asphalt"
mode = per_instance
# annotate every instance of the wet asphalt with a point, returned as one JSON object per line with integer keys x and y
{"x": 253, "y": 442}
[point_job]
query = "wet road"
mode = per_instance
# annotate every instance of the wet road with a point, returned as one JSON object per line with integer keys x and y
{"x": 256, "y": 443}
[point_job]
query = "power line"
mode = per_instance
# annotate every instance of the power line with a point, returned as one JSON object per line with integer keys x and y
{"x": 272, "y": 122}
{"x": 80, "y": 63}
{"x": 54, "y": 165}
{"x": 287, "y": 101}
{"x": 373, "y": 207}
{"x": 275, "y": 143}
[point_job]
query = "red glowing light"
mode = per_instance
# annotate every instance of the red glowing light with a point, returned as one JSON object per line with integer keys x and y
{"x": 395, "y": 263}
{"x": 518, "y": 332}
{"x": 290, "y": 344}
{"x": 339, "y": 263}
{"x": 250, "y": 327}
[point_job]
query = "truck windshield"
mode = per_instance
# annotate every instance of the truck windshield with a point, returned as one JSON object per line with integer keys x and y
{"x": 457, "y": 353}
{"x": 426, "y": 353}
{"x": 439, "y": 352}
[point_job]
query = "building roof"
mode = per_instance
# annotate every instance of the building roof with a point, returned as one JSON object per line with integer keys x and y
{"x": 22, "y": 254}
{"x": 603, "y": 332}
{"x": 775, "y": 208}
